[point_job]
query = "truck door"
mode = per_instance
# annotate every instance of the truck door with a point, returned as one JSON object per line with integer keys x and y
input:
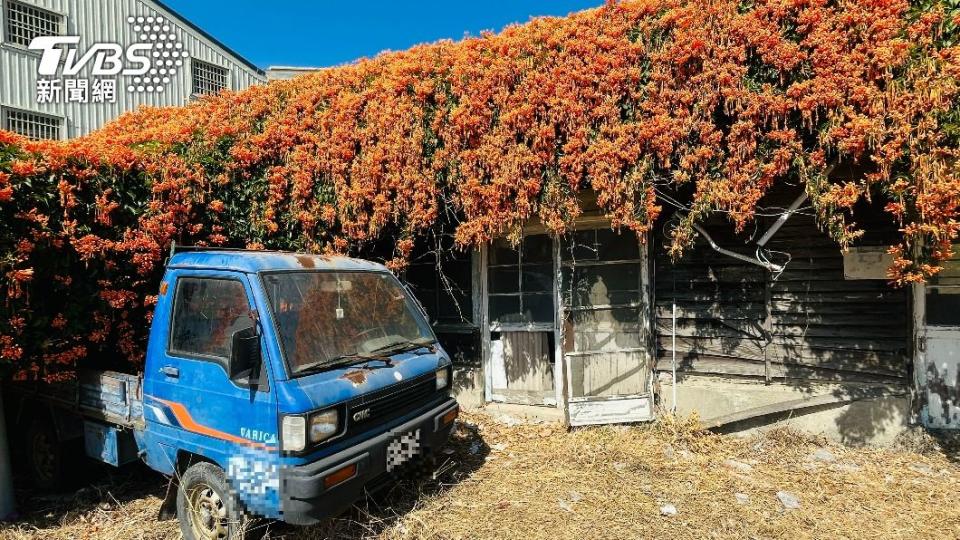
{"x": 191, "y": 402}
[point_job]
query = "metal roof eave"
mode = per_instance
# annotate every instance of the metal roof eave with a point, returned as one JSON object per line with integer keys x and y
{"x": 209, "y": 37}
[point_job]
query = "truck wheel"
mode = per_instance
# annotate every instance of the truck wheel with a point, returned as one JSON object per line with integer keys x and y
{"x": 44, "y": 454}
{"x": 205, "y": 507}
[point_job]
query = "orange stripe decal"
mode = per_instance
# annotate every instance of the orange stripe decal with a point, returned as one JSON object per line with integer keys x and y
{"x": 187, "y": 421}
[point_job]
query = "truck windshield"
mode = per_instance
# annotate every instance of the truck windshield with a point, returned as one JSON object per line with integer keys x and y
{"x": 322, "y": 317}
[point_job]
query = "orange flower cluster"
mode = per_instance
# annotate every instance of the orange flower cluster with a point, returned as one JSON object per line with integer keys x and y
{"x": 713, "y": 101}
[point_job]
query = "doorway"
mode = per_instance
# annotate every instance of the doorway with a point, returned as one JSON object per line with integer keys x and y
{"x": 938, "y": 318}
{"x": 567, "y": 324}
{"x": 521, "y": 321}
{"x": 605, "y": 327}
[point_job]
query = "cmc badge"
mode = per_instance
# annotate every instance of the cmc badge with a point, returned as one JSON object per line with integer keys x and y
{"x": 361, "y": 415}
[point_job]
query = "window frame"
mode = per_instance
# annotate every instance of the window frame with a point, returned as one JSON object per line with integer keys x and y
{"x": 194, "y": 63}
{"x": 4, "y": 18}
{"x": 62, "y": 121}
{"x": 466, "y": 321}
{"x": 188, "y": 355}
{"x": 509, "y": 326}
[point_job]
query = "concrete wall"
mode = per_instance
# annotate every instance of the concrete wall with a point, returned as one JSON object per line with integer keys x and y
{"x": 468, "y": 386}
{"x": 863, "y": 422}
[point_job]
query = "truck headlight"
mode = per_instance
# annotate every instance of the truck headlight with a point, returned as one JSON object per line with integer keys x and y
{"x": 443, "y": 377}
{"x": 293, "y": 433}
{"x": 324, "y": 425}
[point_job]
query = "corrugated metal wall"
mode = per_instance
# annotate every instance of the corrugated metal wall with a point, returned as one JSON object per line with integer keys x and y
{"x": 810, "y": 324}
{"x": 98, "y": 21}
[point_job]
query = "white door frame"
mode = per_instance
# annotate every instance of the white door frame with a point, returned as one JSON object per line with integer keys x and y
{"x": 485, "y": 327}
{"x": 922, "y": 335}
{"x": 582, "y": 411}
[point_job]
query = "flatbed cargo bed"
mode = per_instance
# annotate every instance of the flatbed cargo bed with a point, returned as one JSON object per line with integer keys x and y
{"x": 107, "y": 396}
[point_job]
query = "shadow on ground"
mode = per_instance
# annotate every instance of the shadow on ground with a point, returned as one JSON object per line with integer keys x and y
{"x": 97, "y": 488}
{"x": 464, "y": 454}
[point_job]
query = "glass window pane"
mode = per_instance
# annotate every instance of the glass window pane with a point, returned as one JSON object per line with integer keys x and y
{"x": 537, "y": 248}
{"x": 943, "y": 307}
{"x": 207, "y": 313}
{"x": 537, "y": 278}
{"x": 601, "y": 285}
{"x": 501, "y": 252}
{"x": 458, "y": 271}
{"x": 579, "y": 246}
{"x": 442, "y": 288}
{"x": 618, "y": 245}
{"x": 505, "y": 309}
{"x": 454, "y": 307}
{"x": 421, "y": 276}
{"x": 538, "y": 308}
{"x": 503, "y": 280}
{"x": 601, "y": 244}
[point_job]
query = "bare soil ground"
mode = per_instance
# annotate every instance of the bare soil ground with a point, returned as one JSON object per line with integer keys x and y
{"x": 506, "y": 480}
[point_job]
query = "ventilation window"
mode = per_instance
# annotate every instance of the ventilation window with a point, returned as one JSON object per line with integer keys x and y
{"x": 208, "y": 78}
{"x": 25, "y": 22}
{"x": 32, "y": 125}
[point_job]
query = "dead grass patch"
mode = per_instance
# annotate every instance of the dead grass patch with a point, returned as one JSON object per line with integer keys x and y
{"x": 539, "y": 481}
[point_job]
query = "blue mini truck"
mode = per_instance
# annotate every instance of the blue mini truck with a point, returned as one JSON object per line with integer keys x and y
{"x": 276, "y": 385}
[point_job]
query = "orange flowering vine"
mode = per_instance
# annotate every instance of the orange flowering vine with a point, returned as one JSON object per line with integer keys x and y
{"x": 713, "y": 102}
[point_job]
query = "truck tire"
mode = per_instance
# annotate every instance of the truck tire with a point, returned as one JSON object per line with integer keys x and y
{"x": 44, "y": 455}
{"x": 205, "y": 507}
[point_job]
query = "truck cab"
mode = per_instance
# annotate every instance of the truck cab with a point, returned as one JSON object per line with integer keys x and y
{"x": 285, "y": 385}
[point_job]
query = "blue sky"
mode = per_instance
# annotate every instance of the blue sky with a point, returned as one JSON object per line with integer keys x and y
{"x": 327, "y": 33}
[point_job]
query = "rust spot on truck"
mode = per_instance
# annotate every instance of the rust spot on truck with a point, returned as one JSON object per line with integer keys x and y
{"x": 306, "y": 261}
{"x": 356, "y": 377}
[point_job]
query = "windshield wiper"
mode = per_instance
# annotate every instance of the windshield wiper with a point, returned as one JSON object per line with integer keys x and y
{"x": 403, "y": 346}
{"x": 344, "y": 360}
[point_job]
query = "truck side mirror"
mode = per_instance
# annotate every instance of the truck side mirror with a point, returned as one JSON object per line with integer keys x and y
{"x": 245, "y": 355}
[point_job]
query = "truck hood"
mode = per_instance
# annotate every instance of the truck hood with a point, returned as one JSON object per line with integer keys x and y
{"x": 325, "y": 388}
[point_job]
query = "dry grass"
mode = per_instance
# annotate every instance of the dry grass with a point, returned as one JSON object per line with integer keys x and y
{"x": 540, "y": 482}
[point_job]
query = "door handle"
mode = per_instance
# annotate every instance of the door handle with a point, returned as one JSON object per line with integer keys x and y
{"x": 170, "y": 371}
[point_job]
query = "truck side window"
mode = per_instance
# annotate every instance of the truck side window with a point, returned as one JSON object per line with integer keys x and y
{"x": 206, "y": 314}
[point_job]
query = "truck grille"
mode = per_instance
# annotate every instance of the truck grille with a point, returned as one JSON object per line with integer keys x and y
{"x": 391, "y": 402}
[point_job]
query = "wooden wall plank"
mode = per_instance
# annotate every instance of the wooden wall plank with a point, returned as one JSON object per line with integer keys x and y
{"x": 821, "y": 326}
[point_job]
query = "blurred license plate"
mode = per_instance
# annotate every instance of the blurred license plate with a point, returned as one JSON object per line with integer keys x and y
{"x": 402, "y": 449}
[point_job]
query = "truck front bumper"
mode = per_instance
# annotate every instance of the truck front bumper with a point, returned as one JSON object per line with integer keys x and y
{"x": 306, "y": 500}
